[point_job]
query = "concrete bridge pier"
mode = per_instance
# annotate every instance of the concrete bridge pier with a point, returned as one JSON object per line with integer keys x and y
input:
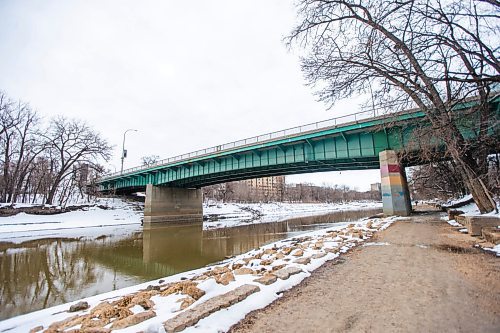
{"x": 171, "y": 204}
{"x": 395, "y": 193}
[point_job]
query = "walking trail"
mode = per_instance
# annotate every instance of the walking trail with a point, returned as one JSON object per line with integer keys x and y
{"x": 428, "y": 278}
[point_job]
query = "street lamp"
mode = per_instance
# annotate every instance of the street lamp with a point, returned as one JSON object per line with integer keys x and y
{"x": 124, "y": 152}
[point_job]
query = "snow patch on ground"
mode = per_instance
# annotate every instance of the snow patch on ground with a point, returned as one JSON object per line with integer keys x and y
{"x": 495, "y": 249}
{"x": 458, "y": 201}
{"x": 118, "y": 217}
{"x": 453, "y": 223}
{"x": 376, "y": 244}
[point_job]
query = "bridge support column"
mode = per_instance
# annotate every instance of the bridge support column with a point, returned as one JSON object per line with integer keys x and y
{"x": 170, "y": 204}
{"x": 395, "y": 193}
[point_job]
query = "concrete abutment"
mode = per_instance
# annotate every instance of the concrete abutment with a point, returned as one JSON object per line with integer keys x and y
{"x": 395, "y": 193}
{"x": 171, "y": 204}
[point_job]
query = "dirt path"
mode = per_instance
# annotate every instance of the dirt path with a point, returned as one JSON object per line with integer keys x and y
{"x": 428, "y": 279}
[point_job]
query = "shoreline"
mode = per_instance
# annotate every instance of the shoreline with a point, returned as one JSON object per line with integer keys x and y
{"x": 119, "y": 214}
{"x": 313, "y": 256}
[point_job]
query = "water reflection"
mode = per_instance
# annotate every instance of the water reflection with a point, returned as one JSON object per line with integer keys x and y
{"x": 47, "y": 272}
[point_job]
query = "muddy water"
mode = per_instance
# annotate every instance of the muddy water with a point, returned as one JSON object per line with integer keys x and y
{"x": 46, "y": 272}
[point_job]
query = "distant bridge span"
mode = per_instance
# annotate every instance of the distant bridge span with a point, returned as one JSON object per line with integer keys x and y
{"x": 353, "y": 142}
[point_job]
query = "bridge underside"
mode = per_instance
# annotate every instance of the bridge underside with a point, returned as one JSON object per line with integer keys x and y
{"x": 355, "y": 150}
{"x": 256, "y": 172}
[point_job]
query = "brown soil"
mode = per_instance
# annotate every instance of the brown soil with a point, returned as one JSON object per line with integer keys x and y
{"x": 429, "y": 279}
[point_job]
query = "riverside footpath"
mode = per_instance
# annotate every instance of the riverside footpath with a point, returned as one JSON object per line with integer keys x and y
{"x": 419, "y": 275}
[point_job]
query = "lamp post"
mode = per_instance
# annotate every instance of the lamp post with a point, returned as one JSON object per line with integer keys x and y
{"x": 124, "y": 152}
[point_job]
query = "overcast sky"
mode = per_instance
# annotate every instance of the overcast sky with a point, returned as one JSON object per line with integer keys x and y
{"x": 186, "y": 74}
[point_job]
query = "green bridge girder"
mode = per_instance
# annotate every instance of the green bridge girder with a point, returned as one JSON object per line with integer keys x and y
{"x": 351, "y": 146}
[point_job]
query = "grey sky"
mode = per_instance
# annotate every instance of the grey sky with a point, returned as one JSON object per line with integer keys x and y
{"x": 186, "y": 74}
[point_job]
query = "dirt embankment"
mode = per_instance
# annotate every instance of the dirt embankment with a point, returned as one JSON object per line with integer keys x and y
{"x": 429, "y": 278}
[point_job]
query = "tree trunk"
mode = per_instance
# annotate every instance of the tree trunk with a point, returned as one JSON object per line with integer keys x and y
{"x": 474, "y": 185}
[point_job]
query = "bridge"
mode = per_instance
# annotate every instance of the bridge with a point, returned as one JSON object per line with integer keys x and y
{"x": 359, "y": 141}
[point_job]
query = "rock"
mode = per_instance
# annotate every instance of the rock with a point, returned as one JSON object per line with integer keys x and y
{"x": 36, "y": 329}
{"x": 191, "y": 316}
{"x": 161, "y": 281}
{"x": 266, "y": 262}
{"x": 247, "y": 260}
{"x": 94, "y": 330}
{"x": 302, "y": 261}
{"x": 93, "y": 322}
{"x": 133, "y": 320}
{"x": 278, "y": 267}
{"x": 369, "y": 224}
{"x": 142, "y": 299}
{"x": 236, "y": 266}
{"x": 279, "y": 255}
{"x": 269, "y": 251}
{"x": 66, "y": 323}
{"x": 357, "y": 234}
{"x": 452, "y": 213}
{"x": 287, "y": 250}
{"x": 103, "y": 310}
{"x": 318, "y": 245}
{"x": 331, "y": 249}
{"x": 186, "y": 302}
{"x": 475, "y": 224}
{"x": 184, "y": 287}
{"x": 225, "y": 278}
{"x": 332, "y": 233}
{"x": 258, "y": 255}
{"x": 243, "y": 271}
{"x": 267, "y": 279}
{"x": 194, "y": 292}
{"x": 150, "y": 287}
{"x": 491, "y": 234}
{"x": 79, "y": 307}
{"x": 298, "y": 253}
{"x": 319, "y": 255}
{"x": 285, "y": 273}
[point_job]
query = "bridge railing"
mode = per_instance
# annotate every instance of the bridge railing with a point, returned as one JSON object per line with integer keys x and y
{"x": 289, "y": 132}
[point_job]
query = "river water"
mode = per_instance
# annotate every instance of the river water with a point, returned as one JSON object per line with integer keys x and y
{"x": 41, "y": 273}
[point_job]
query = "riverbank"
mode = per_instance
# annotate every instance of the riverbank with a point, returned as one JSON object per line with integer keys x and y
{"x": 116, "y": 216}
{"x": 424, "y": 277}
{"x": 238, "y": 285}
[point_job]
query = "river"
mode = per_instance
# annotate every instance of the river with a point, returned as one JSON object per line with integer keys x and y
{"x": 37, "y": 274}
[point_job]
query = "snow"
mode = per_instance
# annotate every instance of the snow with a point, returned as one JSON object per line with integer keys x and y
{"x": 376, "y": 244}
{"x": 233, "y": 214}
{"x": 469, "y": 210}
{"x": 119, "y": 218}
{"x": 453, "y": 223}
{"x": 123, "y": 217}
{"x": 458, "y": 201}
{"x": 167, "y": 306}
{"x": 495, "y": 249}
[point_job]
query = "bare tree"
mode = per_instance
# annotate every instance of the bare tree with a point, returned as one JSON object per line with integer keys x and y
{"x": 430, "y": 54}
{"x": 20, "y": 145}
{"x": 150, "y": 159}
{"x": 71, "y": 143}
{"x": 436, "y": 180}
